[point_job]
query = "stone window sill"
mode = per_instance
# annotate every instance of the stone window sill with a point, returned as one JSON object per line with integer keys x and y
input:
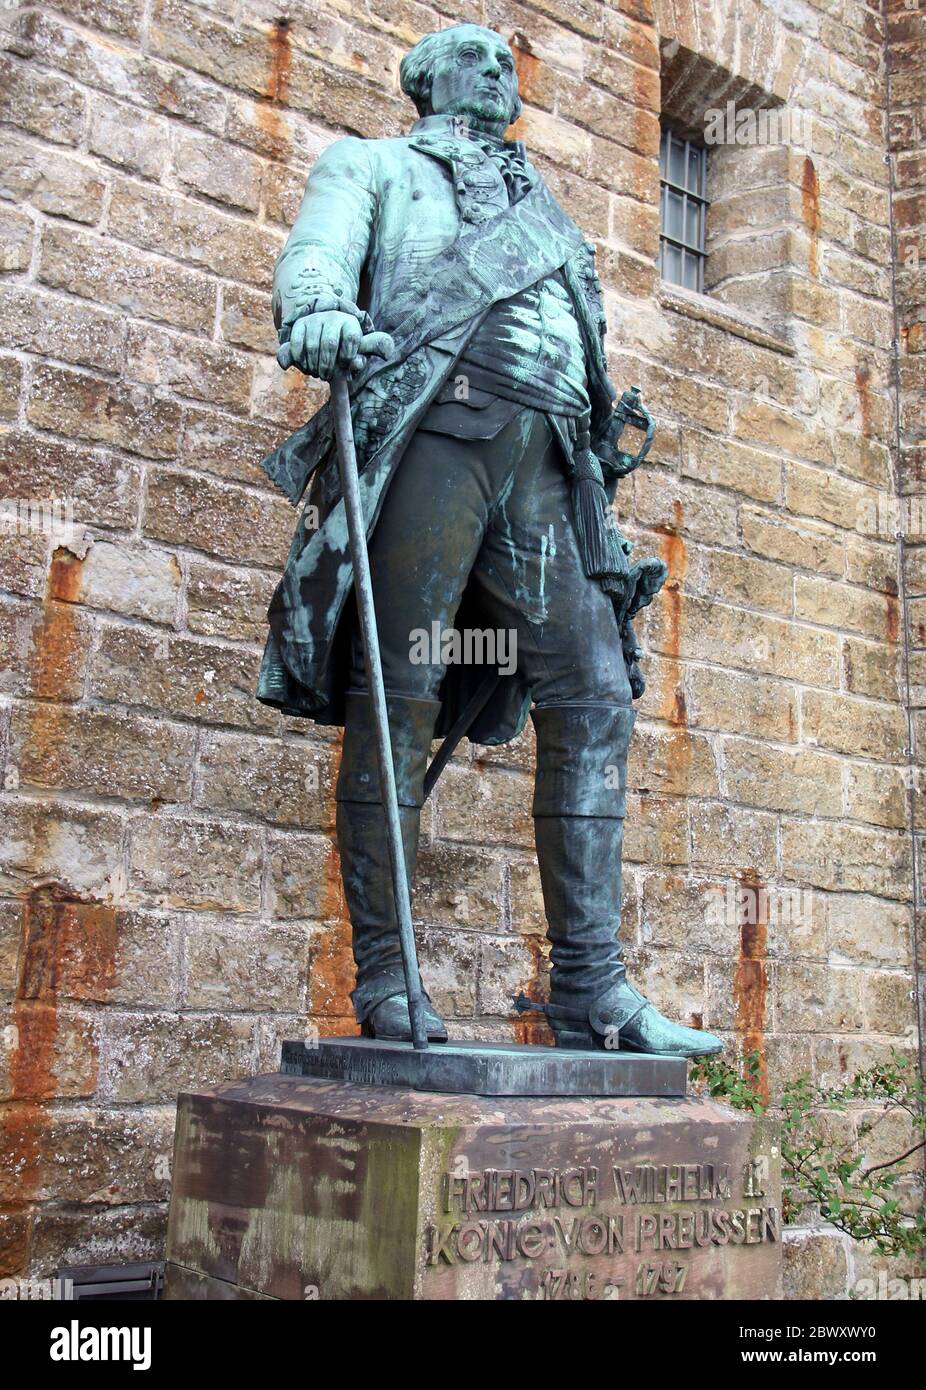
{"x": 719, "y": 315}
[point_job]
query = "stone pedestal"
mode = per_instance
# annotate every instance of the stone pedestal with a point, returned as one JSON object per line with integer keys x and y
{"x": 290, "y": 1187}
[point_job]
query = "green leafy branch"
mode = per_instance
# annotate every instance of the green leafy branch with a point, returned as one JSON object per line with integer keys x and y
{"x": 819, "y": 1172}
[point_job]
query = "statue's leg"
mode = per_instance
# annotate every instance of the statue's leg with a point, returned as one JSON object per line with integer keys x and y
{"x": 579, "y": 802}
{"x": 569, "y": 648}
{"x": 421, "y": 553}
{"x": 579, "y": 823}
{"x": 379, "y": 998}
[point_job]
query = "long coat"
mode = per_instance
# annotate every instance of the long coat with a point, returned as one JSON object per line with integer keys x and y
{"x": 417, "y": 231}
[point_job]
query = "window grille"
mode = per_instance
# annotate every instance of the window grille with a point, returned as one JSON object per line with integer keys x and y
{"x": 682, "y": 211}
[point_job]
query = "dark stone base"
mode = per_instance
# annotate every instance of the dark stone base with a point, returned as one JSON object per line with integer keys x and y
{"x": 299, "y": 1188}
{"x": 487, "y": 1069}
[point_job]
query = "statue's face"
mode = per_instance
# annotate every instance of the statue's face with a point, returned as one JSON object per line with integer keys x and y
{"x": 475, "y": 77}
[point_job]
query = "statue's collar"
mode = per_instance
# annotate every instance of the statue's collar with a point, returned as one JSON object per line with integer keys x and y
{"x": 456, "y": 128}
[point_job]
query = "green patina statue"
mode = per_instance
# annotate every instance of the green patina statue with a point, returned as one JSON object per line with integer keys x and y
{"x": 489, "y": 453}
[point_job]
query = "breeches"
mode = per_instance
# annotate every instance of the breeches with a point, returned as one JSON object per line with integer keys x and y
{"x": 495, "y": 514}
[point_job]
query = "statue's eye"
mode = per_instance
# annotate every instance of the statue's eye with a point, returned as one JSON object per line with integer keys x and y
{"x": 468, "y": 55}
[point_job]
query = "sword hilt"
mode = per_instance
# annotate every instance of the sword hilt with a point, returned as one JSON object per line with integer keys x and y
{"x": 630, "y": 410}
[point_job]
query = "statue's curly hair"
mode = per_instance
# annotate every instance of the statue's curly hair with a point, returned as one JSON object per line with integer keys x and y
{"x": 416, "y": 68}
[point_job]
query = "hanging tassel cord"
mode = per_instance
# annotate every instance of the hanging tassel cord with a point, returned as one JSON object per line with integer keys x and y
{"x": 603, "y": 549}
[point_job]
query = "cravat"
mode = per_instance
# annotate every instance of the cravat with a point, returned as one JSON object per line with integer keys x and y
{"x": 508, "y": 158}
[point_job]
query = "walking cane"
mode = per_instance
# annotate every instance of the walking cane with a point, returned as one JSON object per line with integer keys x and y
{"x": 380, "y": 345}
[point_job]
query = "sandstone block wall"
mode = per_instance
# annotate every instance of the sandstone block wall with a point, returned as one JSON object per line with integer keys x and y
{"x": 170, "y": 904}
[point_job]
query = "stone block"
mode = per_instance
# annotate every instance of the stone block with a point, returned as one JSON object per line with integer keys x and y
{"x": 299, "y": 1188}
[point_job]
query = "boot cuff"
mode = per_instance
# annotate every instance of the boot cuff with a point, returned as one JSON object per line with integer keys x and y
{"x": 582, "y": 759}
{"x": 411, "y": 728}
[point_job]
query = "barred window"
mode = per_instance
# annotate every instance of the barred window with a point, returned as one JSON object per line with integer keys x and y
{"x": 682, "y": 210}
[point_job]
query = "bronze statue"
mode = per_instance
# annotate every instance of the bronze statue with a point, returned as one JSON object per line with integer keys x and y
{"x": 488, "y": 448}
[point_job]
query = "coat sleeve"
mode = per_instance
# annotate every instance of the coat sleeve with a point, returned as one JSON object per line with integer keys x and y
{"x": 328, "y": 245}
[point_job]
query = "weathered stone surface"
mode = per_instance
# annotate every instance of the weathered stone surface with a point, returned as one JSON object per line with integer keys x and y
{"x": 88, "y": 951}
{"x": 11, "y": 387}
{"x": 816, "y": 1264}
{"x": 100, "y": 753}
{"x": 194, "y": 864}
{"x": 79, "y": 849}
{"x": 866, "y": 730}
{"x": 222, "y": 519}
{"x": 867, "y": 929}
{"x": 50, "y": 181}
{"x": 193, "y": 232}
{"x": 673, "y": 761}
{"x": 123, "y": 1235}
{"x": 730, "y": 839}
{"x": 456, "y": 884}
{"x": 808, "y": 994}
{"x": 138, "y": 581}
{"x": 847, "y": 857}
{"x": 871, "y": 669}
{"x": 843, "y": 606}
{"x": 47, "y": 1052}
{"x": 107, "y": 1156}
{"x": 288, "y": 399}
{"x": 210, "y": 166}
{"x": 137, "y": 142}
{"x": 16, "y": 240}
{"x": 91, "y": 337}
{"x": 450, "y": 963}
{"x": 878, "y": 795}
{"x": 497, "y": 805}
{"x": 155, "y": 157}
{"x": 152, "y": 1056}
{"x": 228, "y": 601}
{"x": 246, "y": 319}
{"x": 220, "y": 444}
{"x": 123, "y": 72}
{"x": 505, "y": 963}
{"x": 721, "y": 634}
{"x": 41, "y": 103}
{"x": 747, "y": 471}
{"x": 741, "y": 704}
{"x": 115, "y": 274}
{"x": 237, "y": 967}
{"x": 602, "y": 1235}
{"x": 102, "y": 489}
{"x": 205, "y": 372}
{"x": 803, "y": 544}
{"x": 656, "y": 830}
{"x": 782, "y": 780}
{"x": 177, "y": 676}
{"x": 305, "y": 880}
{"x": 285, "y": 783}
{"x": 86, "y": 407}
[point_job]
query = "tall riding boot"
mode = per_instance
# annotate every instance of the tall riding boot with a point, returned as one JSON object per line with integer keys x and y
{"x": 380, "y": 1000}
{"x": 579, "y": 801}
